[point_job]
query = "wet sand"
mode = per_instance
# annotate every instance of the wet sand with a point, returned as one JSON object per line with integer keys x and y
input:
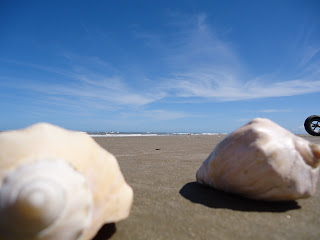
{"x": 169, "y": 204}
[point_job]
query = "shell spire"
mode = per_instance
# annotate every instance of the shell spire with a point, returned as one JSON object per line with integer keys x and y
{"x": 41, "y": 204}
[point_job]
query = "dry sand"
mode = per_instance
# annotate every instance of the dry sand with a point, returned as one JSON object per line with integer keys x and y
{"x": 169, "y": 204}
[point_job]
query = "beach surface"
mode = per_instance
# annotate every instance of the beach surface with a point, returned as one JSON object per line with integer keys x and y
{"x": 169, "y": 204}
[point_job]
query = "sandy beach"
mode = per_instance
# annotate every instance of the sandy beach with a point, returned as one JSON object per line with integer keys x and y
{"x": 169, "y": 204}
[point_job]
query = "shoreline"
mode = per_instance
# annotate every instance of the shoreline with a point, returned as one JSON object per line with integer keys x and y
{"x": 167, "y": 134}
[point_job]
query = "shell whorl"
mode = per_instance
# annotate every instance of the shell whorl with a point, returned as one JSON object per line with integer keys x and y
{"x": 46, "y": 199}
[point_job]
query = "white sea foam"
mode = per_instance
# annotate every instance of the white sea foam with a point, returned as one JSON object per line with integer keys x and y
{"x": 213, "y": 133}
{"x": 148, "y": 134}
{"x": 123, "y": 135}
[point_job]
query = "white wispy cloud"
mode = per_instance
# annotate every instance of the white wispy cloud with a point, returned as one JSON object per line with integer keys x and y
{"x": 79, "y": 86}
{"x": 226, "y": 88}
{"x": 274, "y": 110}
{"x": 199, "y": 64}
{"x": 309, "y": 55}
{"x": 209, "y": 68}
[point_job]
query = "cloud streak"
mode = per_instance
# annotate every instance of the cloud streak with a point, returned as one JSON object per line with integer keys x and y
{"x": 208, "y": 68}
{"x": 222, "y": 88}
{"x": 274, "y": 110}
{"x": 79, "y": 87}
{"x": 200, "y": 66}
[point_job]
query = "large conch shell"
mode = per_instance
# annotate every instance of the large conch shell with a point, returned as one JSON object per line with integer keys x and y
{"x": 58, "y": 184}
{"x": 262, "y": 160}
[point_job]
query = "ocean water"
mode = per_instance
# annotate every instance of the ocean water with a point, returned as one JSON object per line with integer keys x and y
{"x": 144, "y": 134}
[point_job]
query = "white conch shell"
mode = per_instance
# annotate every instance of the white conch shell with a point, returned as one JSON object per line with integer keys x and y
{"x": 58, "y": 184}
{"x": 262, "y": 160}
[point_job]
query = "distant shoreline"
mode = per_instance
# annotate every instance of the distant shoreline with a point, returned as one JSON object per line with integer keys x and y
{"x": 149, "y": 134}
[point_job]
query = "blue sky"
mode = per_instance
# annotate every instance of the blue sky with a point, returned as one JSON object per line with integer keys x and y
{"x": 182, "y": 66}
